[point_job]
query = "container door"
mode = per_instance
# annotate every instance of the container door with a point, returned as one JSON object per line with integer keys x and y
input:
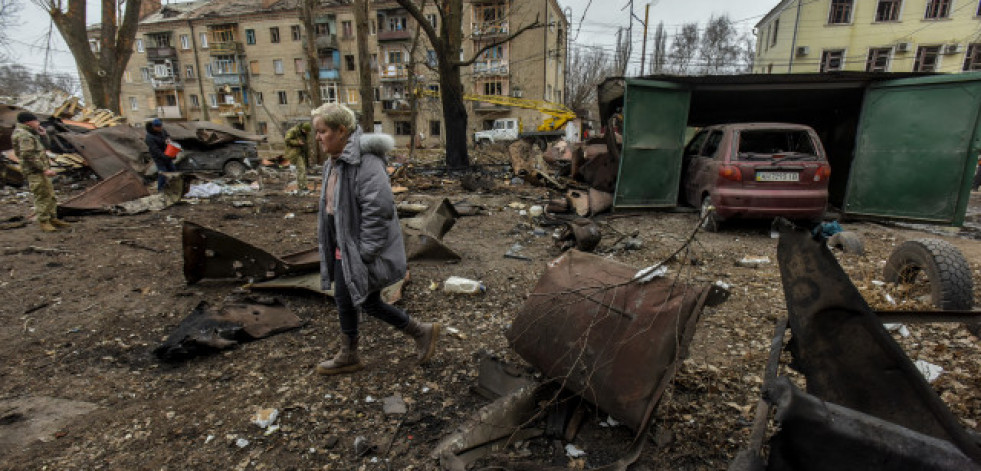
{"x": 916, "y": 149}
{"x": 655, "y": 116}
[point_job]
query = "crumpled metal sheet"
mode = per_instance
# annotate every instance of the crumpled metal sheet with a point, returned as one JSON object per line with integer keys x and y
{"x": 124, "y": 186}
{"x": 206, "y": 329}
{"x": 208, "y": 133}
{"x": 311, "y": 282}
{"x": 818, "y": 435}
{"x": 210, "y": 254}
{"x": 436, "y": 221}
{"x": 110, "y": 150}
{"x": 845, "y": 352}
{"x": 174, "y": 189}
{"x": 423, "y": 235}
{"x": 615, "y": 343}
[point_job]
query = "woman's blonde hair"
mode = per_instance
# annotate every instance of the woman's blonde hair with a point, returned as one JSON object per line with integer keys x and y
{"x": 335, "y": 115}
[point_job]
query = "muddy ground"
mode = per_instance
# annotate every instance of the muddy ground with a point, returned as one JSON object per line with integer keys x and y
{"x": 82, "y": 310}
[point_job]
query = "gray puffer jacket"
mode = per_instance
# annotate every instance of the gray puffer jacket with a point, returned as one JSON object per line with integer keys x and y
{"x": 366, "y": 225}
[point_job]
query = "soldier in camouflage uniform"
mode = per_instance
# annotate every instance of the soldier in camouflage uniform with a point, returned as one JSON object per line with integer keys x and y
{"x": 297, "y": 149}
{"x": 30, "y": 141}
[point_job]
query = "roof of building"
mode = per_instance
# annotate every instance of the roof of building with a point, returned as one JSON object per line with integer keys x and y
{"x": 175, "y": 11}
{"x": 779, "y": 7}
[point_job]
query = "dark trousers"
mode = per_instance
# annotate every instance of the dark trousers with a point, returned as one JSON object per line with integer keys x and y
{"x": 163, "y": 165}
{"x": 373, "y": 305}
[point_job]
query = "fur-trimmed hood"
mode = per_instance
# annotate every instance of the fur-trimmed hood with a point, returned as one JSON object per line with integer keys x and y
{"x": 359, "y": 143}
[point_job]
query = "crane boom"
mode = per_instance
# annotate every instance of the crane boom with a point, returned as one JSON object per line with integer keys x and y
{"x": 558, "y": 112}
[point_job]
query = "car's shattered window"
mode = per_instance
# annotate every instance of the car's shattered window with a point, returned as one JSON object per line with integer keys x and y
{"x": 773, "y": 144}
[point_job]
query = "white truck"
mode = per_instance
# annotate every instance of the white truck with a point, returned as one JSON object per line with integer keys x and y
{"x": 508, "y": 130}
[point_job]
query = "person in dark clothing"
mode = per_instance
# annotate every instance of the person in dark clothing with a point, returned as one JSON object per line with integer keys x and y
{"x": 156, "y": 140}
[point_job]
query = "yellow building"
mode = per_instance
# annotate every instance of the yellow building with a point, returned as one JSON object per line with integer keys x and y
{"x": 870, "y": 35}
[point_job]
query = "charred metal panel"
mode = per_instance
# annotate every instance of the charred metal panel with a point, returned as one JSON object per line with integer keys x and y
{"x": 846, "y": 354}
{"x": 615, "y": 342}
{"x": 108, "y": 157}
{"x": 817, "y": 435}
{"x": 212, "y": 254}
{"x": 124, "y": 186}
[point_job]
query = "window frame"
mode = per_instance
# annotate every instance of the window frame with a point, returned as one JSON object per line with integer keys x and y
{"x": 349, "y": 63}
{"x": 403, "y": 128}
{"x": 282, "y": 97}
{"x": 278, "y": 67}
{"x": 826, "y": 58}
{"x": 139, "y": 46}
{"x": 185, "y": 42}
{"x": 435, "y": 127}
{"x": 941, "y": 9}
{"x": 845, "y": 6}
{"x": 274, "y": 34}
{"x": 134, "y": 104}
{"x": 295, "y": 32}
{"x": 921, "y": 51}
{"x": 876, "y": 53}
{"x": 896, "y": 11}
{"x": 189, "y": 71}
{"x": 195, "y": 101}
{"x": 973, "y": 52}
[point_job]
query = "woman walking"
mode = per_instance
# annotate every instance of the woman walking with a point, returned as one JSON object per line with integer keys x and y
{"x": 361, "y": 247}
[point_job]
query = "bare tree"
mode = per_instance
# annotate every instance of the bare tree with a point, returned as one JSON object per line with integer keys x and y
{"x": 747, "y": 53}
{"x": 719, "y": 51}
{"x": 102, "y": 73}
{"x": 622, "y": 56}
{"x": 448, "y": 44}
{"x": 591, "y": 65}
{"x": 683, "y": 48}
{"x": 307, "y": 8}
{"x": 16, "y": 80}
{"x": 660, "y": 52}
{"x": 8, "y": 18}
{"x": 362, "y": 8}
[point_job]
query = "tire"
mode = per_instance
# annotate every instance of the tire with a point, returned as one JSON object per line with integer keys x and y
{"x": 234, "y": 169}
{"x": 948, "y": 275}
{"x": 848, "y": 242}
{"x": 711, "y": 222}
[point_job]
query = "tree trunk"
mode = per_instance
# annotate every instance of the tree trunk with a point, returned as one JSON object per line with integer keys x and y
{"x": 103, "y": 73}
{"x": 362, "y": 10}
{"x": 454, "y": 117}
{"x": 413, "y": 98}
{"x": 310, "y": 50}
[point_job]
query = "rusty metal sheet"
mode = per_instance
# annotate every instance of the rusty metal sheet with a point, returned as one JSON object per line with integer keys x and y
{"x": 121, "y": 187}
{"x": 308, "y": 259}
{"x": 615, "y": 342}
{"x": 844, "y": 351}
{"x": 599, "y": 170}
{"x": 207, "y": 329}
{"x": 420, "y": 246}
{"x": 435, "y": 221}
{"x": 105, "y": 158}
{"x": 208, "y": 133}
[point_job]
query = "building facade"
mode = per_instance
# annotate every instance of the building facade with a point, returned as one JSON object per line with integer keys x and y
{"x": 243, "y": 63}
{"x": 870, "y": 35}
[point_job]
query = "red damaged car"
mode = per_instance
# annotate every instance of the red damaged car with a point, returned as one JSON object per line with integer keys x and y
{"x": 756, "y": 171}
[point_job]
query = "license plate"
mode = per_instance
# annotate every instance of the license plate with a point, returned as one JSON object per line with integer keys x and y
{"x": 777, "y": 176}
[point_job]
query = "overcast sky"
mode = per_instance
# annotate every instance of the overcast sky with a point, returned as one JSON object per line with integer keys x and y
{"x": 599, "y": 27}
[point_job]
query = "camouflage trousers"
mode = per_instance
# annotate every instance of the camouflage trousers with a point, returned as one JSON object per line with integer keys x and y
{"x": 298, "y": 158}
{"x": 44, "y": 199}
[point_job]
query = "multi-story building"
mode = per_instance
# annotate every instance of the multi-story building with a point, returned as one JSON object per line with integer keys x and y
{"x": 242, "y": 63}
{"x": 870, "y": 35}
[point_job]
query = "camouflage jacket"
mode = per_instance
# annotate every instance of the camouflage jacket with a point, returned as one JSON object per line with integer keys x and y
{"x": 298, "y": 136}
{"x": 30, "y": 147}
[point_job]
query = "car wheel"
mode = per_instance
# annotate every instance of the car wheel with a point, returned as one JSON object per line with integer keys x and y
{"x": 934, "y": 269}
{"x": 710, "y": 222}
{"x": 848, "y": 242}
{"x": 234, "y": 169}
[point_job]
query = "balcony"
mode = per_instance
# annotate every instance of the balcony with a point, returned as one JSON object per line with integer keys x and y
{"x": 395, "y": 106}
{"x": 166, "y": 83}
{"x": 232, "y": 110}
{"x": 226, "y": 48}
{"x": 492, "y": 67}
{"x": 330, "y": 74}
{"x": 397, "y": 35}
{"x": 161, "y": 52}
{"x": 489, "y": 30}
{"x": 326, "y": 42}
{"x": 484, "y": 107}
{"x": 229, "y": 79}
{"x": 169, "y": 112}
{"x": 393, "y": 72}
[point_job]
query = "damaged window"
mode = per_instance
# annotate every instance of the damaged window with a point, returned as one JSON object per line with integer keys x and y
{"x": 888, "y": 10}
{"x": 711, "y": 147}
{"x": 878, "y": 60}
{"x": 832, "y": 60}
{"x": 841, "y": 12}
{"x": 937, "y": 9}
{"x": 765, "y": 144}
{"x": 927, "y": 59}
{"x": 972, "y": 60}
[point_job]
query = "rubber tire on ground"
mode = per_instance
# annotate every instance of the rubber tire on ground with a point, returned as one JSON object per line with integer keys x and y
{"x": 712, "y": 222}
{"x": 951, "y": 285}
{"x": 849, "y": 242}
{"x": 234, "y": 169}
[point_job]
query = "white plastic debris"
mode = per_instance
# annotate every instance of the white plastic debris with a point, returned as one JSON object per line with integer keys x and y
{"x": 425, "y": 389}
{"x": 369, "y": 399}
{"x": 208, "y": 439}
{"x": 572, "y": 452}
{"x": 204, "y": 190}
{"x": 265, "y": 417}
{"x": 901, "y": 328}
{"x": 890, "y": 299}
{"x": 647, "y": 274}
{"x": 878, "y": 283}
{"x": 241, "y": 443}
{"x": 929, "y": 371}
{"x": 536, "y": 211}
{"x": 753, "y": 262}
{"x": 289, "y": 216}
{"x": 271, "y": 430}
{"x": 456, "y": 284}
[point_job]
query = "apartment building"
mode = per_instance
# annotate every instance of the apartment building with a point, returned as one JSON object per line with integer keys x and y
{"x": 242, "y": 63}
{"x": 870, "y": 35}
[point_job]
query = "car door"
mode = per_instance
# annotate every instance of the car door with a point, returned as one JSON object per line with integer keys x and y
{"x": 705, "y": 166}
{"x": 689, "y": 157}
